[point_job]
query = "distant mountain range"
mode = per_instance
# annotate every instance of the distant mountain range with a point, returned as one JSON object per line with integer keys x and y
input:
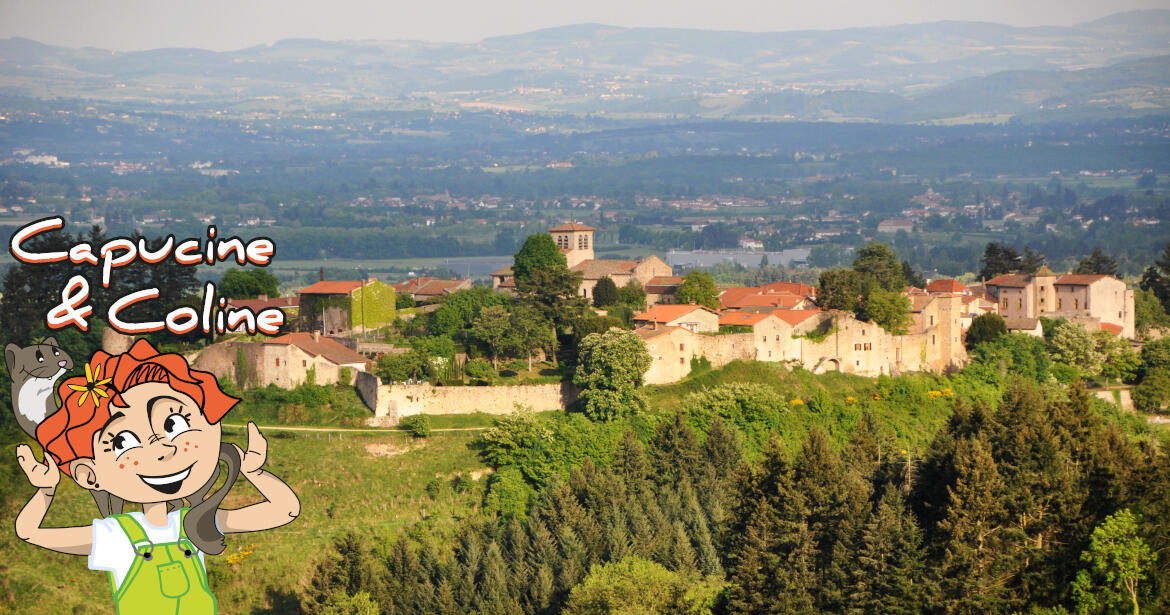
{"x": 944, "y": 71}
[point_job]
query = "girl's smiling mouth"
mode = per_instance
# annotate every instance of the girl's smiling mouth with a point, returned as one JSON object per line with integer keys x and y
{"x": 169, "y": 484}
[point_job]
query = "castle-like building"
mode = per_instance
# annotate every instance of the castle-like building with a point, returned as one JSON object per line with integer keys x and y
{"x": 819, "y": 341}
{"x": 1096, "y": 301}
{"x": 575, "y": 241}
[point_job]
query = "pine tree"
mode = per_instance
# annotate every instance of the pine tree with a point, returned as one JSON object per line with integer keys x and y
{"x": 978, "y": 562}
{"x": 832, "y": 503}
{"x": 676, "y": 450}
{"x": 1098, "y": 263}
{"x": 752, "y": 581}
{"x": 891, "y": 563}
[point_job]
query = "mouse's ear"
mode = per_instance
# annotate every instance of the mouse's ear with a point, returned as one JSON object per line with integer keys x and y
{"x": 10, "y": 356}
{"x": 51, "y": 341}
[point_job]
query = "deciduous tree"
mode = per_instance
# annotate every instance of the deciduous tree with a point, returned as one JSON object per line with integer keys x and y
{"x": 888, "y": 309}
{"x": 839, "y": 289}
{"x": 1118, "y": 562}
{"x": 610, "y": 368}
{"x": 698, "y": 288}
{"x": 985, "y": 328}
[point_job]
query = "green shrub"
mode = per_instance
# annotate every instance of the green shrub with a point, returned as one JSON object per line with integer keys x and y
{"x": 418, "y": 425}
{"x": 753, "y": 408}
{"x": 434, "y": 487}
{"x": 508, "y": 493}
{"x": 479, "y": 369}
{"x": 1153, "y": 394}
{"x": 462, "y": 483}
{"x": 1065, "y": 373}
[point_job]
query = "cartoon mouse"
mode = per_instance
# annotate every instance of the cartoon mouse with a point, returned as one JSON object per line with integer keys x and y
{"x": 35, "y": 371}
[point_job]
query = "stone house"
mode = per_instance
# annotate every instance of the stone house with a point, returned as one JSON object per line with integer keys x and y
{"x": 284, "y": 361}
{"x": 1091, "y": 300}
{"x": 429, "y": 288}
{"x": 343, "y": 307}
{"x": 671, "y": 350}
{"x": 660, "y": 289}
{"x": 688, "y": 316}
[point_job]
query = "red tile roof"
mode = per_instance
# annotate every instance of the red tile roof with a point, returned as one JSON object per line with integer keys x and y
{"x": 667, "y": 313}
{"x": 1079, "y": 279}
{"x": 331, "y": 287}
{"x": 435, "y": 287}
{"x": 789, "y": 287}
{"x": 780, "y": 300}
{"x": 946, "y": 286}
{"x": 795, "y": 317}
{"x": 411, "y": 284}
{"x": 791, "y": 293}
{"x": 734, "y": 294}
{"x": 1014, "y": 280}
{"x": 745, "y": 319}
{"x": 1112, "y": 328}
{"x": 595, "y": 269}
{"x": 320, "y": 346}
{"x": 570, "y": 226}
{"x": 663, "y": 284}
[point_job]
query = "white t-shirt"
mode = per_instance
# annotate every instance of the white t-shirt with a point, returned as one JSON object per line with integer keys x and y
{"x": 113, "y": 551}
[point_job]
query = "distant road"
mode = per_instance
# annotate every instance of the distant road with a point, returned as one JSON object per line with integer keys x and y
{"x": 345, "y": 429}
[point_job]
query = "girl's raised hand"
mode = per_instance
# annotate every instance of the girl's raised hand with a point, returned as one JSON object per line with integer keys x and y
{"x": 41, "y": 475}
{"x": 257, "y": 453}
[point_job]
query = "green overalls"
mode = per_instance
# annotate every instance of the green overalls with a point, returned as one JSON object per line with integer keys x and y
{"x": 165, "y": 578}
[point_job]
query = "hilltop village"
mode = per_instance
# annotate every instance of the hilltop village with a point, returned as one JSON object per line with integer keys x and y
{"x": 342, "y": 328}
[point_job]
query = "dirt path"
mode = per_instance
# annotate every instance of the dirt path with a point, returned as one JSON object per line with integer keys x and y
{"x": 346, "y": 429}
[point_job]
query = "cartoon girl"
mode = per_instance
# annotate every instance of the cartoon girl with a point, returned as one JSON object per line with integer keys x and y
{"x": 149, "y": 433}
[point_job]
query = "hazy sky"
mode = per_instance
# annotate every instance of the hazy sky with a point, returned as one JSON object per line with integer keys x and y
{"x": 233, "y": 24}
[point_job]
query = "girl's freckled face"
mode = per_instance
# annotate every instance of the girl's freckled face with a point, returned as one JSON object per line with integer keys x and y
{"x": 152, "y": 452}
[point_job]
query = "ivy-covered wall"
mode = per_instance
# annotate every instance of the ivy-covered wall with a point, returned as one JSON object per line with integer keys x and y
{"x": 379, "y": 300}
{"x": 373, "y": 304}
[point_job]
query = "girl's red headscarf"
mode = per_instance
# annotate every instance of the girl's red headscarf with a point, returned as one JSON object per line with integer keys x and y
{"x": 67, "y": 434}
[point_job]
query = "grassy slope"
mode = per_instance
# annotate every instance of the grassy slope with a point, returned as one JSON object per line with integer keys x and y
{"x": 342, "y": 487}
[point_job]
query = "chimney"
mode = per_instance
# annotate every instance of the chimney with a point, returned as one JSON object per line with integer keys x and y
{"x": 316, "y": 337}
{"x": 321, "y": 274}
{"x": 263, "y": 297}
